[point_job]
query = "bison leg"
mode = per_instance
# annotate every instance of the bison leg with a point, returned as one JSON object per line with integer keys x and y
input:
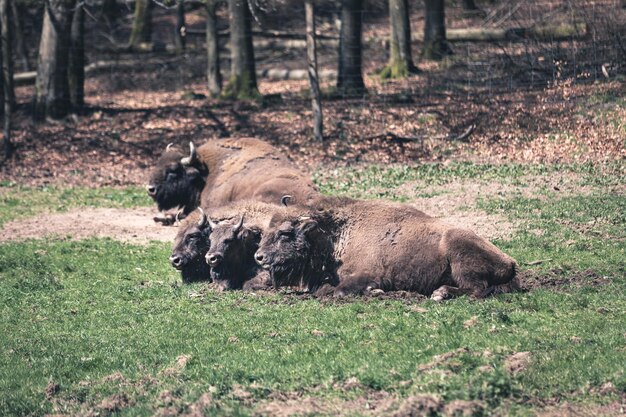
{"x": 166, "y": 219}
{"x": 355, "y": 285}
{"x": 446, "y": 292}
{"x": 260, "y": 282}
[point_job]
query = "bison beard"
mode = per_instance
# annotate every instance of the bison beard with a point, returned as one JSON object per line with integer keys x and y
{"x": 195, "y": 271}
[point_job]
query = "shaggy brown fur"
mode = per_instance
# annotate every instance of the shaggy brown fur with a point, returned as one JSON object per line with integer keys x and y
{"x": 366, "y": 245}
{"x": 226, "y": 170}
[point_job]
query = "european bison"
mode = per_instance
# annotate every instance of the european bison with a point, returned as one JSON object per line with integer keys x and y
{"x": 225, "y": 170}
{"x": 190, "y": 246}
{"x": 365, "y": 245}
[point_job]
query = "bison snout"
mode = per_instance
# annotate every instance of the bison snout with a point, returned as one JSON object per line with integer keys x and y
{"x": 176, "y": 261}
{"x": 214, "y": 259}
{"x": 261, "y": 259}
{"x": 152, "y": 190}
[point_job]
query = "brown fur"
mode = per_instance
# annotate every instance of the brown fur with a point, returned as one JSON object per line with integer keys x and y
{"x": 228, "y": 170}
{"x": 372, "y": 244}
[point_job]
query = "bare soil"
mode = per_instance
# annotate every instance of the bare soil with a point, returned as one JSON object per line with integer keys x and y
{"x": 127, "y": 225}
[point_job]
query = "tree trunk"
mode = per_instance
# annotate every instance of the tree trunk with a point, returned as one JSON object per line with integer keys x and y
{"x": 142, "y": 23}
{"x": 76, "y": 70}
{"x": 18, "y": 31}
{"x": 469, "y": 5}
{"x": 400, "y": 60}
{"x": 435, "y": 45}
{"x": 242, "y": 81}
{"x": 349, "y": 76}
{"x": 214, "y": 75}
{"x": 311, "y": 54}
{"x": 52, "y": 94}
{"x": 180, "y": 36}
{"x": 7, "y": 77}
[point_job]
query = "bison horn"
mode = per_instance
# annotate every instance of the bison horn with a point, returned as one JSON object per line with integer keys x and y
{"x": 178, "y": 215}
{"x": 169, "y": 147}
{"x": 285, "y": 199}
{"x": 238, "y": 225}
{"x": 203, "y": 218}
{"x": 212, "y": 223}
{"x": 189, "y": 160}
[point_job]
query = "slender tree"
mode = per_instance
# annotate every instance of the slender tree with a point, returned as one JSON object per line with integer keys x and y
{"x": 214, "y": 75}
{"x": 316, "y": 101}
{"x": 180, "y": 36}
{"x": 18, "y": 31}
{"x": 435, "y": 44}
{"x": 400, "y": 60}
{"x": 52, "y": 95}
{"x": 7, "y": 77}
{"x": 242, "y": 82}
{"x": 350, "y": 77}
{"x": 76, "y": 70}
{"x": 141, "y": 31}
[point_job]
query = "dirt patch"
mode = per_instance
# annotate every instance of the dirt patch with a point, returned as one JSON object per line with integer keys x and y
{"x": 517, "y": 362}
{"x": 127, "y": 225}
{"x": 617, "y": 408}
{"x": 532, "y": 280}
{"x": 372, "y": 403}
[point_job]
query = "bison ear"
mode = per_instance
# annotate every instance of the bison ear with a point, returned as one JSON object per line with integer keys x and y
{"x": 307, "y": 226}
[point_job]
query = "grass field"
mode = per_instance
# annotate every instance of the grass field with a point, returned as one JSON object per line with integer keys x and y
{"x": 99, "y": 327}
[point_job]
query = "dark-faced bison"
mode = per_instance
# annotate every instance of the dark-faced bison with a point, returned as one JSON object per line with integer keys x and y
{"x": 365, "y": 245}
{"x": 219, "y": 245}
{"x": 225, "y": 170}
{"x": 190, "y": 247}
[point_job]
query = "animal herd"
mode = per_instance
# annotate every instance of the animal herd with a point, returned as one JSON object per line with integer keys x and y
{"x": 249, "y": 219}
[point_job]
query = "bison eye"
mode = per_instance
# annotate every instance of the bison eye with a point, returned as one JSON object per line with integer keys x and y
{"x": 171, "y": 176}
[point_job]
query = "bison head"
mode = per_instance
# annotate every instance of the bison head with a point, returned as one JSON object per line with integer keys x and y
{"x": 231, "y": 253}
{"x": 286, "y": 251}
{"x": 191, "y": 244}
{"x": 177, "y": 180}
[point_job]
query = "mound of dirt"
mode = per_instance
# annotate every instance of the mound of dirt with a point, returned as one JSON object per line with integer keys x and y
{"x": 127, "y": 225}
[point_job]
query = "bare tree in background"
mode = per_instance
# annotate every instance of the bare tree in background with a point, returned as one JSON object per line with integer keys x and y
{"x": 435, "y": 44}
{"x": 141, "y": 31}
{"x": 242, "y": 82}
{"x": 400, "y": 59}
{"x": 311, "y": 54}
{"x": 214, "y": 75}
{"x": 7, "y": 78}
{"x": 76, "y": 70}
{"x": 350, "y": 77}
{"x": 180, "y": 36}
{"x": 18, "y": 31}
{"x": 52, "y": 95}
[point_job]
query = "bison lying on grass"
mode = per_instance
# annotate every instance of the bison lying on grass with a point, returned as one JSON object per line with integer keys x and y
{"x": 225, "y": 170}
{"x": 190, "y": 246}
{"x": 221, "y": 247}
{"x": 365, "y": 245}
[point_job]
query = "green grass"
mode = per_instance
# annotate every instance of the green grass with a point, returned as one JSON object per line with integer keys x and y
{"x": 102, "y": 318}
{"x": 20, "y": 201}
